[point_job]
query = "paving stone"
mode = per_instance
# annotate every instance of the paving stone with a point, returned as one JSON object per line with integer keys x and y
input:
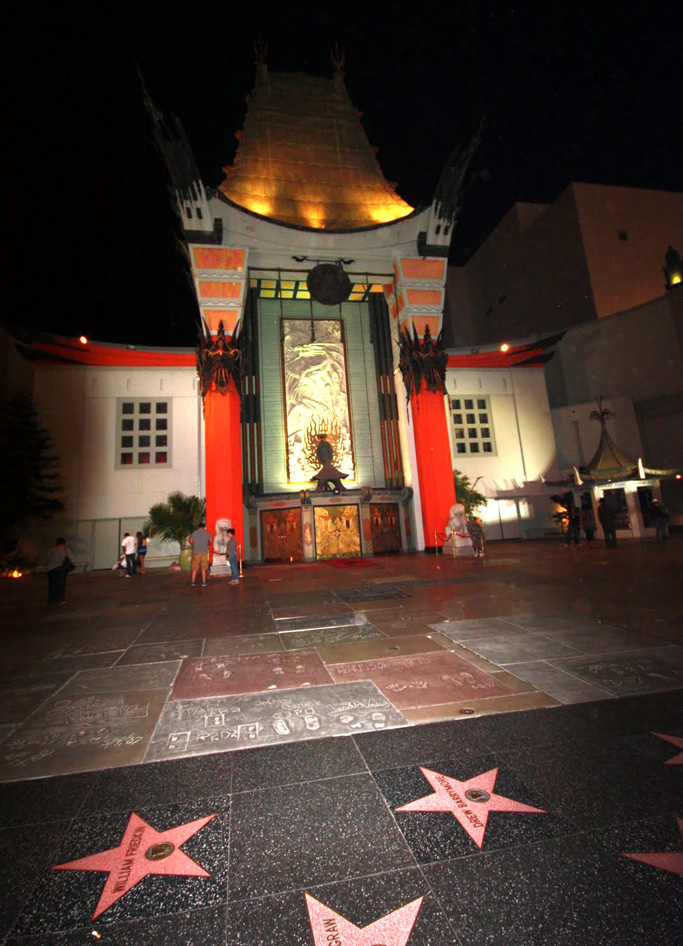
{"x": 295, "y": 762}
{"x": 18, "y": 699}
{"x": 250, "y": 644}
{"x": 563, "y": 686}
{"x": 66, "y": 899}
{"x": 313, "y": 622}
{"x": 520, "y": 648}
{"x": 248, "y": 673}
{"x": 628, "y": 674}
{"x": 281, "y": 840}
{"x": 405, "y": 645}
{"x": 326, "y": 637}
{"x": 155, "y": 653}
{"x": 193, "y": 727}
{"x": 423, "y": 679}
{"x": 81, "y": 733}
{"x": 156, "y": 676}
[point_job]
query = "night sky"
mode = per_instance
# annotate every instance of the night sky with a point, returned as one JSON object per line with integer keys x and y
{"x": 577, "y": 91}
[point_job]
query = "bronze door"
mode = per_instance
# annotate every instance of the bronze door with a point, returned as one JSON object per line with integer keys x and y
{"x": 386, "y": 531}
{"x": 281, "y": 536}
{"x": 336, "y": 531}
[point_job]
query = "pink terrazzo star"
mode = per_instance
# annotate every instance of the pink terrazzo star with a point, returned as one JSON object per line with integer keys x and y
{"x": 666, "y": 861}
{"x": 470, "y": 802}
{"x": 675, "y": 741}
{"x": 329, "y": 927}
{"x": 142, "y": 851}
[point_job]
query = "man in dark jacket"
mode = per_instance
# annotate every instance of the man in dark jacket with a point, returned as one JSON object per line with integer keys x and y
{"x": 608, "y": 521}
{"x": 660, "y": 516}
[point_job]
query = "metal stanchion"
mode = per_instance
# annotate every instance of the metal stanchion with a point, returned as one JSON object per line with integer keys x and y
{"x": 239, "y": 558}
{"x": 436, "y": 543}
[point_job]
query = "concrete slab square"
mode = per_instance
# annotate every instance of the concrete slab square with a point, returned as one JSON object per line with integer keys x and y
{"x": 329, "y": 636}
{"x": 243, "y": 644}
{"x": 158, "y": 676}
{"x": 605, "y": 638}
{"x": 519, "y": 648}
{"x": 74, "y": 664}
{"x": 196, "y": 727}
{"x": 312, "y": 622}
{"x": 18, "y": 699}
{"x": 557, "y": 683}
{"x": 157, "y": 653}
{"x": 466, "y": 709}
{"x": 628, "y": 674}
{"x": 345, "y": 653}
{"x": 476, "y": 629}
{"x": 248, "y": 673}
{"x": 422, "y": 680}
{"x": 81, "y": 734}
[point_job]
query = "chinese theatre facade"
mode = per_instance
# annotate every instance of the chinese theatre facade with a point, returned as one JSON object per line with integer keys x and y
{"x": 321, "y": 370}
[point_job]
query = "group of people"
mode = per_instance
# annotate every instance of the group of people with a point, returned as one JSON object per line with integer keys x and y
{"x": 584, "y": 518}
{"x": 201, "y": 540}
{"x": 134, "y": 549}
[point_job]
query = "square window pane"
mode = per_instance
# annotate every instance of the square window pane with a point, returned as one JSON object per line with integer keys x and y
{"x": 145, "y": 407}
{"x": 144, "y": 441}
{"x": 470, "y": 418}
{"x": 459, "y": 433}
{"x": 161, "y": 441}
{"x": 126, "y": 459}
{"x": 461, "y": 448}
{"x": 483, "y": 418}
{"x": 481, "y": 403}
{"x": 160, "y": 458}
{"x": 162, "y": 407}
{"x": 469, "y": 404}
{"x": 457, "y": 418}
{"x": 162, "y": 423}
{"x": 128, "y": 408}
{"x": 472, "y": 432}
{"x": 485, "y": 431}
{"x": 474, "y": 448}
{"x": 127, "y": 424}
{"x": 455, "y": 404}
{"x": 143, "y": 458}
{"x": 487, "y": 447}
{"x": 145, "y": 424}
{"x": 126, "y": 441}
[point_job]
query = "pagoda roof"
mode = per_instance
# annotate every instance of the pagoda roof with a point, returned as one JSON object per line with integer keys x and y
{"x": 304, "y": 159}
{"x": 608, "y": 460}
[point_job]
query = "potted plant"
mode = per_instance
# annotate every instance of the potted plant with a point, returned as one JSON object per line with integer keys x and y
{"x": 175, "y": 521}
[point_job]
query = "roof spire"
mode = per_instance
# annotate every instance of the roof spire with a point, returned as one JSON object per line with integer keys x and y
{"x": 338, "y": 57}
{"x": 261, "y": 61}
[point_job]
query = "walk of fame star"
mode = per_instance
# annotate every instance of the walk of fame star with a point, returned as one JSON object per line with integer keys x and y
{"x": 666, "y": 861}
{"x": 142, "y": 851}
{"x": 329, "y": 927}
{"x": 675, "y": 741}
{"x": 470, "y": 802}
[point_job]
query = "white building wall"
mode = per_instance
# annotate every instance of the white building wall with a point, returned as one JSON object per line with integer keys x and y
{"x": 78, "y": 407}
{"x": 512, "y": 478}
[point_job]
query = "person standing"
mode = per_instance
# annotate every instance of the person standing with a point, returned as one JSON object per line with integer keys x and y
{"x": 232, "y": 558}
{"x": 141, "y": 550}
{"x": 129, "y": 546}
{"x": 200, "y": 540}
{"x": 608, "y": 521}
{"x": 573, "y": 526}
{"x": 475, "y": 528}
{"x": 588, "y": 520}
{"x": 58, "y": 560}
{"x": 660, "y": 516}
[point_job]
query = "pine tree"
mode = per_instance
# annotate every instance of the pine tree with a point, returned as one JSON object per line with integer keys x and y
{"x": 29, "y": 482}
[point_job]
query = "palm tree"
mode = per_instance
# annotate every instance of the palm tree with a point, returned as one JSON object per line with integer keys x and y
{"x": 176, "y": 519}
{"x": 466, "y": 493}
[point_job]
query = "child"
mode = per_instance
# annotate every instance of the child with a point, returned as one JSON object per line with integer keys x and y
{"x": 475, "y": 528}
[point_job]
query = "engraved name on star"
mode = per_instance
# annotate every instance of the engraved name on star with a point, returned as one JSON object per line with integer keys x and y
{"x": 675, "y": 741}
{"x": 469, "y": 802}
{"x": 332, "y": 929}
{"x": 668, "y": 860}
{"x": 142, "y": 851}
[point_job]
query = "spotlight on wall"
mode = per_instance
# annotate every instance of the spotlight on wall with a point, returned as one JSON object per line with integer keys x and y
{"x": 83, "y": 340}
{"x": 504, "y": 346}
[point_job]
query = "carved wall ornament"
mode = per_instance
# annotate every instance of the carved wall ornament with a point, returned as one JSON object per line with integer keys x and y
{"x": 219, "y": 362}
{"x": 422, "y": 362}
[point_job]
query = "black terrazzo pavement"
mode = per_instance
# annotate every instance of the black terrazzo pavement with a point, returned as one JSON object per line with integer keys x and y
{"x": 318, "y": 818}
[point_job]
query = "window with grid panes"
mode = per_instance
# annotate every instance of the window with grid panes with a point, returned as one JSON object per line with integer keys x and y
{"x": 143, "y": 432}
{"x": 472, "y": 425}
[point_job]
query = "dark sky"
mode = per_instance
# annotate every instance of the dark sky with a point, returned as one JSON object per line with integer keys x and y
{"x": 575, "y": 91}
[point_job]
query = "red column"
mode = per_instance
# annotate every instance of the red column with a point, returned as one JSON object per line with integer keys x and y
{"x": 434, "y": 462}
{"x": 223, "y": 451}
